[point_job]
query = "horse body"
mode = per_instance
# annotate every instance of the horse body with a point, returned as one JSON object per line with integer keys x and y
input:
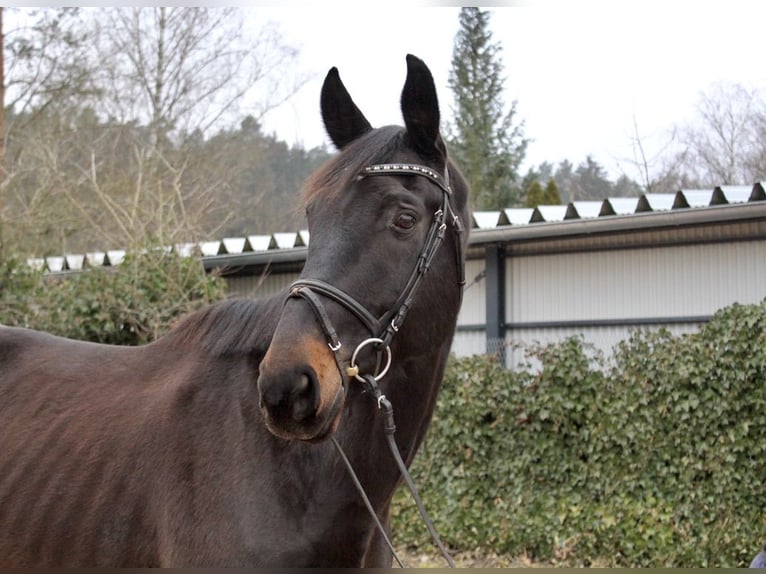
{"x": 178, "y": 469}
{"x": 207, "y": 447}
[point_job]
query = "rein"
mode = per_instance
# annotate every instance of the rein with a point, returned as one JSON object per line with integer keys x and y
{"x": 384, "y": 328}
{"x": 388, "y": 411}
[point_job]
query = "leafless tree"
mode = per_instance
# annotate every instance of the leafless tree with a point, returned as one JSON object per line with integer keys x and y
{"x": 185, "y": 69}
{"x": 725, "y": 144}
{"x": 179, "y": 72}
{"x": 46, "y": 65}
{"x": 48, "y": 59}
{"x": 722, "y": 144}
{"x": 110, "y": 155}
{"x": 655, "y": 171}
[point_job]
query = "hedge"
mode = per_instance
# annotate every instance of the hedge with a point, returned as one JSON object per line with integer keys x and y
{"x": 129, "y": 304}
{"x": 656, "y": 458}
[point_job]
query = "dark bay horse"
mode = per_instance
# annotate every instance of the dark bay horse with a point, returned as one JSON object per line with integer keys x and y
{"x": 207, "y": 447}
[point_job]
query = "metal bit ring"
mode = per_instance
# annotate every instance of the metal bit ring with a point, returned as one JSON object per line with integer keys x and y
{"x": 363, "y": 344}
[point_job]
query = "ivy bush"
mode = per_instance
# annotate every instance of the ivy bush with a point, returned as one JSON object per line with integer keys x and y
{"x": 654, "y": 459}
{"x": 129, "y": 304}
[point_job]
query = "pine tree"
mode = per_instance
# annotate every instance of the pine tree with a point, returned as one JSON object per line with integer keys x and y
{"x": 539, "y": 195}
{"x": 487, "y": 142}
{"x": 551, "y": 196}
{"x": 534, "y": 195}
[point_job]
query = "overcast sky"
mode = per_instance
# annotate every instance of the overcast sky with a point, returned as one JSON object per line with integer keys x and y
{"x": 581, "y": 71}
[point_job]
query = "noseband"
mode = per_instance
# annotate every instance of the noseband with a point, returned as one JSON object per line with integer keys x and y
{"x": 383, "y": 329}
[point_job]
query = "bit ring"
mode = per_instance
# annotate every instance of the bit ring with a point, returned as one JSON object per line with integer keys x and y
{"x": 363, "y": 344}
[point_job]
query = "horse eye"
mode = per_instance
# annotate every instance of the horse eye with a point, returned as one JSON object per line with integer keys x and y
{"x": 405, "y": 221}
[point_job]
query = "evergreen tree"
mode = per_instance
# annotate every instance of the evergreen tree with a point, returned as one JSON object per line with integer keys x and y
{"x": 551, "y": 195}
{"x": 534, "y": 196}
{"x": 539, "y": 195}
{"x": 626, "y": 187}
{"x": 588, "y": 181}
{"x": 591, "y": 181}
{"x": 487, "y": 142}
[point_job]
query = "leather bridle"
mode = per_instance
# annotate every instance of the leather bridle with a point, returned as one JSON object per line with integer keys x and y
{"x": 383, "y": 329}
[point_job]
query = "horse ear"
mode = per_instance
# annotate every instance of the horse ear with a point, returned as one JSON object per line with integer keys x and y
{"x": 342, "y": 119}
{"x": 420, "y": 108}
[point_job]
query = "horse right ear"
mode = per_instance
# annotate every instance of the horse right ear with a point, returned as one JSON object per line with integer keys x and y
{"x": 342, "y": 119}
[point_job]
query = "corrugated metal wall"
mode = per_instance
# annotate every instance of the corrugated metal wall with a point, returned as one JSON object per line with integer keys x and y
{"x": 259, "y": 285}
{"x": 603, "y": 295}
{"x": 683, "y": 281}
{"x": 474, "y": 308}
{"x": 655, "y": 286}
{"x": 467, "y": 343}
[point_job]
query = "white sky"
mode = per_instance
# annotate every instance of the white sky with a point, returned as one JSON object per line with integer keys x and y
{"x": 580, "y": 70}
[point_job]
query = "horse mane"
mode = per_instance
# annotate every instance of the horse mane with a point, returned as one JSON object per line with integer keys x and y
{"x": 229, "y": 327}
{"x": 338, "y": 173}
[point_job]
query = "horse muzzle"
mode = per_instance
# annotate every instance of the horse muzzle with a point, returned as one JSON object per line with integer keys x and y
{"x": 301, "y": 391}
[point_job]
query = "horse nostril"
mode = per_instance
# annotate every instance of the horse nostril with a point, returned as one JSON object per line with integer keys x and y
{"x": 294, "y": 396}
{"x": 304, "y": 398}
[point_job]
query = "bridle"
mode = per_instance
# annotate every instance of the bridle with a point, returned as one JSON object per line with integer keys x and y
{"x": 383, "y": 329}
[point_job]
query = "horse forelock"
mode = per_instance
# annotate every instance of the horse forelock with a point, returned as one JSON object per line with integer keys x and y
{"x": 338, "y": 173}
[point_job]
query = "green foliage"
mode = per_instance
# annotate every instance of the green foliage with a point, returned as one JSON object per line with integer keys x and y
{"x": 537, "y": 195}
{"x": 587, "y": 181}
{"x": 534, "y": 195}
{"x": 656, "y": 459}
{"x": 552, "y": 195}
{"x": 18, "y": 285}
{"x": 487, "y": 142}
{"x": 131, "y": 304}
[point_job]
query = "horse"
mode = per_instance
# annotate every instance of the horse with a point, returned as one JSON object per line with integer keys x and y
{"x": 210, "y": 445}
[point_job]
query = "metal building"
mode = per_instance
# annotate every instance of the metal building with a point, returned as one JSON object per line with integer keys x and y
{"x": 602, "y": 269}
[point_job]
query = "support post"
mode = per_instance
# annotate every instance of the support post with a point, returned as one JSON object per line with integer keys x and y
{"x": 495, "y": 293}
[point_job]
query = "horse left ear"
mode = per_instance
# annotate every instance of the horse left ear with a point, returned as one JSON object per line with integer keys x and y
{"x": 420, "y": 108}
{"x": 343, "y": 121}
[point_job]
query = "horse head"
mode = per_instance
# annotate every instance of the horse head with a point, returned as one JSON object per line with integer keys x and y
{"x": 378, "y": 213}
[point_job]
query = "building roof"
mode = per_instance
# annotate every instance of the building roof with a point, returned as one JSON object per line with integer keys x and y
{"x": 726, "y": 202}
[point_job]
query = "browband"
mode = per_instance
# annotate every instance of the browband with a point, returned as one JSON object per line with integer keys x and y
{"x": 409, "y": 169}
